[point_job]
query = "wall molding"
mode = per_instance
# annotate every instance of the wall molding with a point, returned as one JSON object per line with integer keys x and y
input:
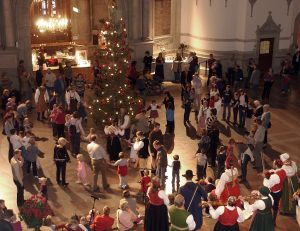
{"x": 225, "y": 39}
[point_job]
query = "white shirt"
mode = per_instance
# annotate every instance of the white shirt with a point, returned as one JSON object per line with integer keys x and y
{"x": 215, "y": 214}
{"x": 218, "y": 105}
{"x": 17, "y": 171}
{"x": 290, "y": 170}
{"x": 225, "y": 177}
{"x": 70, "y": 95}
{"x": 242, "y": 100}
{"x": 16, "y": 141}
{"x": 37, "y": 95}
{"x": 50, "y": 79}
{"x": 249, "y": 153}
{"x": 273, "y": 180}
{"x": 125, "y": 219}
{"x": 138, "y": 145}
{"x": 259, "y": 135}
{"x": 77, "y": 124}
{"x": 258, "y": 205}
{"x": 96, "y": 151}
{"x": 26, "y": 141}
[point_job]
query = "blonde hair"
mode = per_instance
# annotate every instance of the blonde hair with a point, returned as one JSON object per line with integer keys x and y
{"x": 62, "y": 141}
{"x": 80, "y": 157}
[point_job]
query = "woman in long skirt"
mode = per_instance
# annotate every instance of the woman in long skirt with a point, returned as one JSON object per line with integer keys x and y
{"x": 113, "y": 144}
{"x": 156, "y": 214}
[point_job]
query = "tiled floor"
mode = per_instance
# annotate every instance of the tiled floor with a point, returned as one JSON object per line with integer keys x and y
{"x": 283, "y": 137}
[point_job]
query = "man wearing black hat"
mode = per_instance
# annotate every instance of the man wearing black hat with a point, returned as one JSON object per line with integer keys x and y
{"x": 193, "y": 194}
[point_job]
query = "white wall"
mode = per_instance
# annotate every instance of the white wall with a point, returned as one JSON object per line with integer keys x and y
{"x": 216, "y": 28}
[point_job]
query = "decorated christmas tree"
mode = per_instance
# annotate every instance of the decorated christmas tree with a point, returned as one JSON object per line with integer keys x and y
{"x": 114, "y": 59}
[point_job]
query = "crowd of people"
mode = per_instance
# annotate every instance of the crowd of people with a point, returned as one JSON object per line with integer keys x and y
{"x": 138, "y": 144}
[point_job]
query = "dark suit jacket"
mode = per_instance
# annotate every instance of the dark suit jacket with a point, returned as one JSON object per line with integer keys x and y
{"x": 187, "y": 191}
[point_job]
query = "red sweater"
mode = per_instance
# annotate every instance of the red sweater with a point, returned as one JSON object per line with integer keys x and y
{"x": 102, "y": 223}
{"x": 60, "y": 118}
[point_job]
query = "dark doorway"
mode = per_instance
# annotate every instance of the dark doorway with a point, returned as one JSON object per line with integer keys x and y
{"x": 265, "y": 53}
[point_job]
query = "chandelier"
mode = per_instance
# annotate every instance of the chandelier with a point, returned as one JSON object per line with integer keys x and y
{"x": 52, "y": 24}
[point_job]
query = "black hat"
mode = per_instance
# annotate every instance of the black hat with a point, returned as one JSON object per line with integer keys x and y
{"x": 188, "y": 174}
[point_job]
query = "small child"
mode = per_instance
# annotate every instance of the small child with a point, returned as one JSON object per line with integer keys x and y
{"x": 32, "y": 154}
{"x": 201, "y": 165}
{"x": 122, "y": 164}
{"x": 145, "y": 181}
{"x": 91, "y": 133}
{"x": 221, "y": 158}
{"x": 81, "y": 170}
{"x": 285, "y": 84}
{"x": 229, "y": 151}
{"x": 133, "y": 153}
{"x": 153, "y": 107}
{"x": 208, "y": 188}
{"x": 27, "y": 125}
{"x": 175, "y": 173}
{"x": 43, "y": 187}
{"x": 170, "y": 118}
{"x": 52, "y": 120}
{"x": 244, "y": 158}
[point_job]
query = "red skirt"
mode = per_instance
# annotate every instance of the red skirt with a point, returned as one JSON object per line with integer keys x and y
{"x": 153, "y": 114}
{"x": 231, "y": 190}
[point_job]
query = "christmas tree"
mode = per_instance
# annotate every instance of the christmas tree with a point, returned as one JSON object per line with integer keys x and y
{"x": 113, "y": 90}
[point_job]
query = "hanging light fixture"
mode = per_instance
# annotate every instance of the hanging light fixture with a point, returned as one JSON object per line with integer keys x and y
{"x": 52, "y": 24}
{"x": 51, "y": 20}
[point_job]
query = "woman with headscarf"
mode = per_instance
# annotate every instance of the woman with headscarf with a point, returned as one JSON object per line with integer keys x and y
{"x": 290, "y": 185}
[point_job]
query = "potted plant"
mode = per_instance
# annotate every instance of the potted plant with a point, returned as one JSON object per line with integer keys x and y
{"x": 34, "y": 210}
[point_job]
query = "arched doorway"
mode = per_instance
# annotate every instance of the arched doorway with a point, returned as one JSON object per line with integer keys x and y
{"x": 267, "y": 43}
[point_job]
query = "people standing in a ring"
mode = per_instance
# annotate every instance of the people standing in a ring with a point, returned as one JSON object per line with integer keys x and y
{"x": 72, "y": 99}
{"x": 75, "y": 130}
{"x": 61, "y": 158}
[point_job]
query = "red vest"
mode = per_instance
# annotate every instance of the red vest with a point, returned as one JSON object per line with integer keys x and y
{"x": 229, "y": 218}
{"x": 154, "y": 199}
{"x": 278, "y": 187}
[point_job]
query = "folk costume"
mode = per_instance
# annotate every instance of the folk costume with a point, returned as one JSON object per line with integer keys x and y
{"x": 113, "y": 144}
{"x": 156, "y": 214}
{"x": 181, "y": 220}
{"x": 227, "y": 216}
{"x": 290, "y": 185}
{"x": 275, "y": 183}
{"x": 72, "y": 100}
{"x": 228, "y": 185}
{"x": 263, "y": 219}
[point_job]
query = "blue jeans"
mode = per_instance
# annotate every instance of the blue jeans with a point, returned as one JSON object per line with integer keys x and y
{"x": 161, "y": 173}
{"x": 226, "y": 106}
{"x": 242, "y": 116}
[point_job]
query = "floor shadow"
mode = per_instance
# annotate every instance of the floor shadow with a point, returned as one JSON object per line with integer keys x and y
{"x": 191, "y": 131}
{"x": 169, "y": 142}
{"x": 224, "y": 129}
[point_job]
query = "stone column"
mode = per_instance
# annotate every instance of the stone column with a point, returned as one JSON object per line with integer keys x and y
{"x": 9, "y": 25}
{"x": 136, "y": 17}
{"x": 147, "y": 20}
{"x": 83, "y": 21}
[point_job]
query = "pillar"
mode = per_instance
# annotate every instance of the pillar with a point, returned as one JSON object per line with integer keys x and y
{"x": 147, "y": 20}
{"x": 136, "y": 17}
{"x": 9, "y": 25}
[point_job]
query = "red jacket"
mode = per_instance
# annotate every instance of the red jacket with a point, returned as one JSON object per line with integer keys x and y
{"x": 102, "y": 223}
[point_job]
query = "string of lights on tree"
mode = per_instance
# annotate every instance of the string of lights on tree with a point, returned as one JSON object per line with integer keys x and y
{"x": 113, "y": 90}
